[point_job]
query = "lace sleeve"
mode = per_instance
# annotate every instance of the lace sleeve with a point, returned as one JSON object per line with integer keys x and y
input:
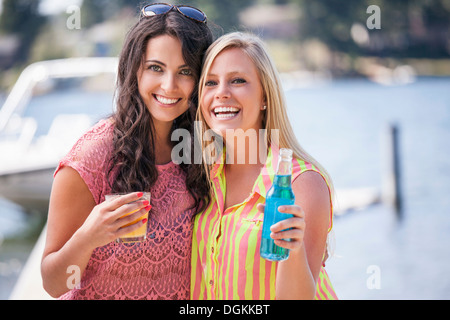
{"x": 90, "y": 156}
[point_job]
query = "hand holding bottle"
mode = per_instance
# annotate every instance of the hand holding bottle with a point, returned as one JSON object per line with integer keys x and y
{"x": 279, "y": 195}
{"x": 288, "y": 233}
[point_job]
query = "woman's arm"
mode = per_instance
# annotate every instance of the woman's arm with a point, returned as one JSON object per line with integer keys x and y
{"x": 76, "y": 226}
{"x": 297, "y": 276}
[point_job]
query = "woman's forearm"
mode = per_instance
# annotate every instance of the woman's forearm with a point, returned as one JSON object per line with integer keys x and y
{"x": 62, "y": 270}
{"x": 294, "y": 279}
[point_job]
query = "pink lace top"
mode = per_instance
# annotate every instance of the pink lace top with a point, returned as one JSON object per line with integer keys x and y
{"x": 157, "y": 268}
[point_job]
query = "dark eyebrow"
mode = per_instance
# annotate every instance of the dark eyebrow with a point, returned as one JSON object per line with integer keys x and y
{"x": 156, "y": 61}
{"x": 164, "y": 65}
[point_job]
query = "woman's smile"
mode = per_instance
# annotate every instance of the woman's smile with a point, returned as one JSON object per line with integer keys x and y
{"x": 165, "y": 100}
{"x": 225, "y": 112}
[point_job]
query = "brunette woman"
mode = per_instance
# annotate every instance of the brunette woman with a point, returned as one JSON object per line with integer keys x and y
{"x": 128, "y": 153}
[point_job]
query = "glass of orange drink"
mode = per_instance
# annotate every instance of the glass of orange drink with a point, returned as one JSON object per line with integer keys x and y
{"x": 140, "y": 233}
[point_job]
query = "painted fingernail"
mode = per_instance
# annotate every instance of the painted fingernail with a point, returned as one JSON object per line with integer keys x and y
{"x": 140, "y": 194}
{"x": 146, "y": 203}
{"x": 144, "y": 221}
{"x": 147, "y": 208}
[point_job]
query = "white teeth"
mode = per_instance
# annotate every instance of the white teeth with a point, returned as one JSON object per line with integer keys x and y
{"x": 225, "y": 112}
{"x": 225, "y": 115}
{"x": 225, "y": 109}
{"x": 165, "y": 100}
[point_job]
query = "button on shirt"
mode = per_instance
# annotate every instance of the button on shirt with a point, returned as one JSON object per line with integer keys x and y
{"x": 226, "y": 263}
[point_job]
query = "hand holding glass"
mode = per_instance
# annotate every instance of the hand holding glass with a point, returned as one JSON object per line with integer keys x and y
{"x": 140, "y": 233}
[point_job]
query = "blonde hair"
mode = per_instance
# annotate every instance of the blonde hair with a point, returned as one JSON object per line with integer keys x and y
{"x": 275, "y": 114}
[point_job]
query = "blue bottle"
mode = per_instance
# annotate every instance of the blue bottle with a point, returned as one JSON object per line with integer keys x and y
{"x": 279, "y": 194}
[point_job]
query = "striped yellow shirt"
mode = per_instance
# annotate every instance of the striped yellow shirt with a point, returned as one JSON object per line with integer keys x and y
{"x": 226, "y": 263}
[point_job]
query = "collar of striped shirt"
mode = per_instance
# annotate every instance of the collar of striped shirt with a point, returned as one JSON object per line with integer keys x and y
{"x": 266, "y": 176}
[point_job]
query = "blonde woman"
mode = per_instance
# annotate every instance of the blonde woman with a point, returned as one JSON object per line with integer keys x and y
{"x": 240, "y": 97}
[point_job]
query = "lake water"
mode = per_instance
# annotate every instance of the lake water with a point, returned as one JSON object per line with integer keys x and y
{"x": 343, "y": 125}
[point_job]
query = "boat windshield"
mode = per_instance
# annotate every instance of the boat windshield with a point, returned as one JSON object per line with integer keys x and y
{"x": 58, "y": 105}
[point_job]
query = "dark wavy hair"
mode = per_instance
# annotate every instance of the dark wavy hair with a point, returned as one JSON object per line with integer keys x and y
{"x": 134, "y": 132}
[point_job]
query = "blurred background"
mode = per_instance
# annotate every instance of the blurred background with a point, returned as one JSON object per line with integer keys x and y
{"x": 367, "y": 84}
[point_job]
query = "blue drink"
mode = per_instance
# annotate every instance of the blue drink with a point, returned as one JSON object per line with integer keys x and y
{"x": 279, "y": 194}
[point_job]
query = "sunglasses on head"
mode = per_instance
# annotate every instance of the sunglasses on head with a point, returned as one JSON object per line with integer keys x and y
{"x": 162, "y": 8}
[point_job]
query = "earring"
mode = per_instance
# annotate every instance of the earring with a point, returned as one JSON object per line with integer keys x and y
{"x": 264, "y": 107}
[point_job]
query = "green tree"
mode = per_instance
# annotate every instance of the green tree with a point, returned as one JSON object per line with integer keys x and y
{"x": 224, "y": 14}
{"x": 97, "y": 11}
{"x": 408, "y": 28}
{"x": 22, "y": 19}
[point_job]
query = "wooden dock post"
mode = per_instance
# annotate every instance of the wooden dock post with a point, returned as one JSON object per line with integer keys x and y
{"x": 392, "y": 190}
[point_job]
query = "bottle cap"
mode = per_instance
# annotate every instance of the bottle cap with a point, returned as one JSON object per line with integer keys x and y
{"x": 286, "y": 153}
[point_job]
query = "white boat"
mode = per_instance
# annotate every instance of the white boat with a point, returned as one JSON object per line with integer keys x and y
{"x": 52, "y": 103}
